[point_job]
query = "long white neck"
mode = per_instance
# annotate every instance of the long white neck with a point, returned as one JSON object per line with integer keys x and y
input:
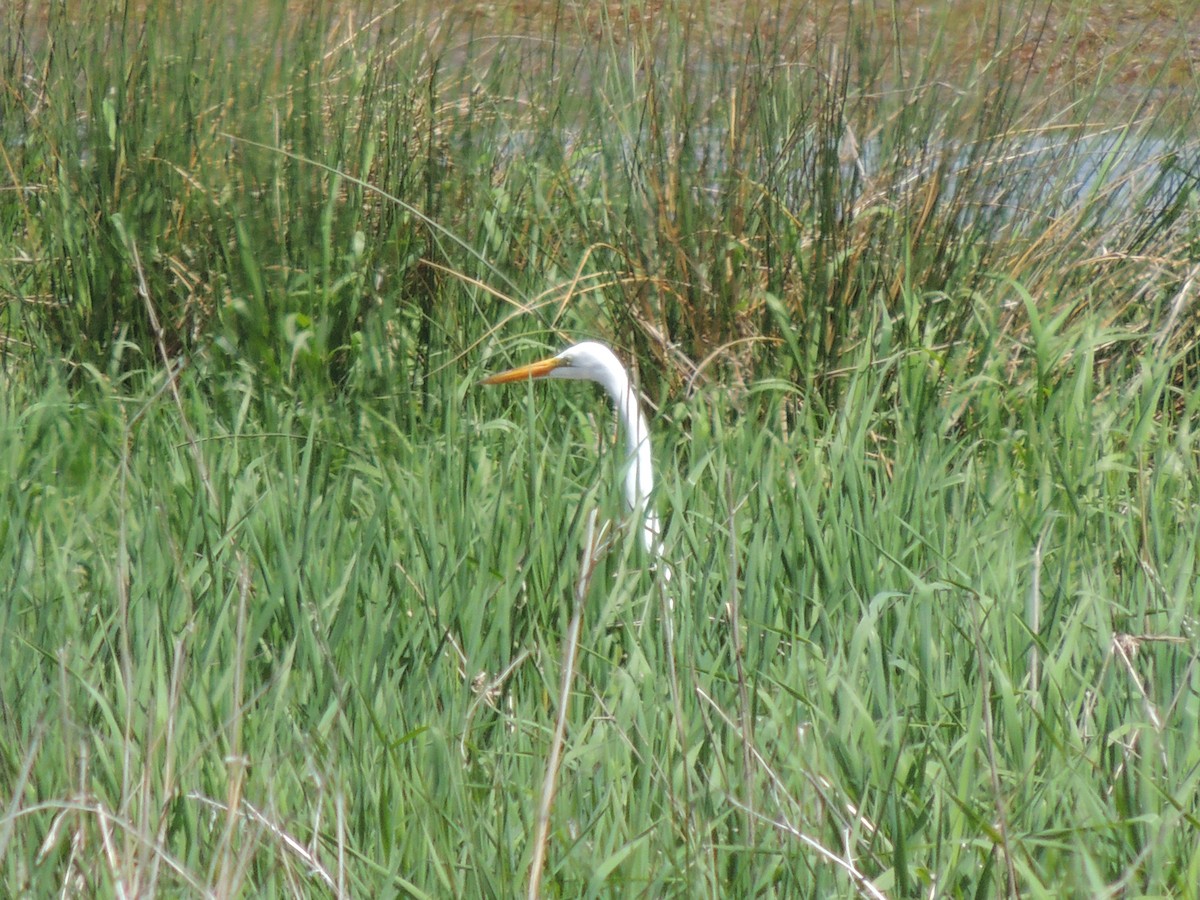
{"x": 639, "y": 473}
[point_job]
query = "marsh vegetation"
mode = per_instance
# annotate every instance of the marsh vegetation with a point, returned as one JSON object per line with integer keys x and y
{"x": 286, "y": 598}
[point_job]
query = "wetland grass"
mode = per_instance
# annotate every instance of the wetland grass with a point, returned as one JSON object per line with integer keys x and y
{"x": 288, "y": 604}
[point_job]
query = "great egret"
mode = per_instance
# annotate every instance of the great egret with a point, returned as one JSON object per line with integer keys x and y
{"x": 592, "y": 361}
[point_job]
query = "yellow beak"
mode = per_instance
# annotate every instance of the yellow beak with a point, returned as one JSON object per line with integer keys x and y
{"x": 539, "y": 369}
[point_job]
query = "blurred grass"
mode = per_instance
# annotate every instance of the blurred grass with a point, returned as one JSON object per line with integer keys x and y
{"x": 286, "y": 597}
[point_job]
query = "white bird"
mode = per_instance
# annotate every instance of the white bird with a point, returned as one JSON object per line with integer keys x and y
{"x": 592, "y": 361}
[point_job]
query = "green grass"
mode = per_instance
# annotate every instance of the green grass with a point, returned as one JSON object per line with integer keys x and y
{"x": 287, "y": 596}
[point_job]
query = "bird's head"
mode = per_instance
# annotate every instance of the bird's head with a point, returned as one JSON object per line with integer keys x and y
{"x": 586, "y": 361}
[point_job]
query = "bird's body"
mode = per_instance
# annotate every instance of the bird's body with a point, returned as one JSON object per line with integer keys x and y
{"x": 592, "y": 361}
